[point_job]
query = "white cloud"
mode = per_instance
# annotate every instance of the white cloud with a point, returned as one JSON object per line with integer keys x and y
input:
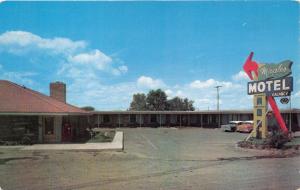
{"x": 76, "y": 64}
{"x": 120, "y": 70}
{"x": 179, "y": 93}
{"x": 79, "y": 65}
{"x": 297, "y": 94}
{"x": 95, "y": 58}
{"x": 72, "y": 55}
{"x": 240, "y": 76}
{"x": 210, "y": 83}
{"x": 102, "y": 96}
{"x": 150, "y": 83}
{"x": 203, "y": 84}
{"x": 123, "y": 69}
{"x": 169, "y": 92}
{"x": 203, "y": 101}
{"x": 90, "y": 63}
{"x": 23, "y": 78}
{"x": 19, "y": 42}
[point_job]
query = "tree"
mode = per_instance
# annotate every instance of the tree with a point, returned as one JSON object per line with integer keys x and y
{"x": 88, "y": 108}
{"x": 175, "y": 104}
{"x": 188, "y": 105}
{"x": 179, "y": 104}
{"x": 138, "y": 102}
{"x": 156, "y": 100}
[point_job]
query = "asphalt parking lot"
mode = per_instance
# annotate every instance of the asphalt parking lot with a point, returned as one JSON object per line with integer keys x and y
{"x": 188, "y": 158}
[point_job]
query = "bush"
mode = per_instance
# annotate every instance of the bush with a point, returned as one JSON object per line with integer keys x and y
{"x": 26, "y": 140}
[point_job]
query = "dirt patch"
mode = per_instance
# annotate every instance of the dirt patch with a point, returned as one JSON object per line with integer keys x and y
{"x": 270, "y": 152}
{"x": 271, "y": 156}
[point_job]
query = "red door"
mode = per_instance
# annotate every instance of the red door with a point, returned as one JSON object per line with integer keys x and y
{"x": 67, "y": 132}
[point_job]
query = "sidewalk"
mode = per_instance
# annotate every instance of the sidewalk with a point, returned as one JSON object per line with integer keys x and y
{"x": 116, "y": 144}
{"x": 296, "y": 134}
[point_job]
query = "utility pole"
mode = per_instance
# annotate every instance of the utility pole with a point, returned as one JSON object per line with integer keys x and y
{"x": 290, "y": 115}
{"x": 218, "y": 97}
{"x": 218, "y": 103}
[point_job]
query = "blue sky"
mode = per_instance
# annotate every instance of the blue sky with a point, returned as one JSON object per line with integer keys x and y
{"x": 106, "y": 51}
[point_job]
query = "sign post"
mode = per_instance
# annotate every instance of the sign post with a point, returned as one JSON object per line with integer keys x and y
{"x": 260, "y": 109}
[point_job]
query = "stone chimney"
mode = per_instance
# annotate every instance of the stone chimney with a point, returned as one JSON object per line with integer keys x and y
{"x": 58, "y": 91}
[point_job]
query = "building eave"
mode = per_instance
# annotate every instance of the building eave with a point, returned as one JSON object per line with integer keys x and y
{"x": 42, "y": 114}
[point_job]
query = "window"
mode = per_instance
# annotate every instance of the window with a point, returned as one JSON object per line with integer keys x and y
{"x": 213, "y": 119}
{"x": 179, "y": 118}
{"x": 205, "y": 119}
{"x": 153, "y": 118}
{"x": 259, "y": 112}
{"x": 132, "y": 118}
{"x": 49, "y": 126}
{"x": 106, "y": 119}
{"x": 259, "y": 101}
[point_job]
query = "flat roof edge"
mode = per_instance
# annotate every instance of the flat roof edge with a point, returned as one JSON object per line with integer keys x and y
{"x": 190, "y": 112}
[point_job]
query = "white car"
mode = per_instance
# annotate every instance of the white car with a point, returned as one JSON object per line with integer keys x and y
{"x": 231, "y": 127}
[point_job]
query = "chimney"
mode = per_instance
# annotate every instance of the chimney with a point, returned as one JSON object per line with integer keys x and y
{"x": 58, "y": 91}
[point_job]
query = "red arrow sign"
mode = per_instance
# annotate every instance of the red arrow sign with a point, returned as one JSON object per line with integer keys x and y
{"x": 250, "y": 66}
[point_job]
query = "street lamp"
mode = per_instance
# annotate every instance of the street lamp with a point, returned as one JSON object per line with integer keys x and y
{"x": 218, "y": 102}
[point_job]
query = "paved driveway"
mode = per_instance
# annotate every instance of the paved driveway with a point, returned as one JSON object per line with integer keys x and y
{"x": 160, "y": 158}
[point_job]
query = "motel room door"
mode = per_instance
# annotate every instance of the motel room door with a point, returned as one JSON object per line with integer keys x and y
{"x": 49, "y": 132}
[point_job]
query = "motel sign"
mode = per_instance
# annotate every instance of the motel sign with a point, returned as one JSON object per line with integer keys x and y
{"x": 276, "y": 87}
{"x": 268, "y": 81}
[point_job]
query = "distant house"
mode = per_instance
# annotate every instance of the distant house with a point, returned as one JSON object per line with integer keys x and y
{"x": 45, "y": 119}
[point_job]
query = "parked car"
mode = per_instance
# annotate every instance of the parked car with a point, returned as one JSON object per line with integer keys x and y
{"x": 231, "y": 127}
{"x": 245, "y": 127}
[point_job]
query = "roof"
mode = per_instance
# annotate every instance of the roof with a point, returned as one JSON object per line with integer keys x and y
{"x": 16, "y": 99}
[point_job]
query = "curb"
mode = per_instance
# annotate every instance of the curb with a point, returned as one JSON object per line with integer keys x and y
{"x": 116, "y": 145}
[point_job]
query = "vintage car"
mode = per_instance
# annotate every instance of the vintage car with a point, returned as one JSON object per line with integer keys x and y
{"x": 245, "y": 127}
{"x": 231, "y": 127}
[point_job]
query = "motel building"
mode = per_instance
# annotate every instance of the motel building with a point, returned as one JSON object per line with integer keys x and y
{"x": 50, "y": 119}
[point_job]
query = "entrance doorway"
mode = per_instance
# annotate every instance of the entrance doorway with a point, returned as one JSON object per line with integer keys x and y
{"x": 49, "y": 132}
{"x": 67, "y": 132}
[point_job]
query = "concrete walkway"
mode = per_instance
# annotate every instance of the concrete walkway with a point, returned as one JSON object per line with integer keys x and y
{"x": 116, "y": 144}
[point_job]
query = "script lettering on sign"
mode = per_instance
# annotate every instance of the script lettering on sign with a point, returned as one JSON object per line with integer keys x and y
{"x": 274, "y": 71}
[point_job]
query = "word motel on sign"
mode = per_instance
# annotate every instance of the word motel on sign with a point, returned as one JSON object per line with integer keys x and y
{"x": 271, "y": 86}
